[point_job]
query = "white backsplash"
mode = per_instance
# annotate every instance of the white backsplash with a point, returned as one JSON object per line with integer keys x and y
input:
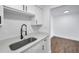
{"x": 12, "y": 28}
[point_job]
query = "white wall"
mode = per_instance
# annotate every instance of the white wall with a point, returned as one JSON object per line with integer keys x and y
{"x": 11, "y": 28}
{"x": 47, "y": 21}
{"x": 67, "y": 26}
{"x": 40, "y": 16}
{"x": 47, "y": 17}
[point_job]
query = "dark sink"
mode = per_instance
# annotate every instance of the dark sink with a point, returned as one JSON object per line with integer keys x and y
{"x": 22, "y": 43}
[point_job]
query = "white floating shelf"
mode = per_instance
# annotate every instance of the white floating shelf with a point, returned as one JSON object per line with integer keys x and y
{"x": 36, "y": 27}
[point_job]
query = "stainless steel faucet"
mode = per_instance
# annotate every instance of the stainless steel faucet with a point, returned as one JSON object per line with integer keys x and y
{"x": 21, "y": 37}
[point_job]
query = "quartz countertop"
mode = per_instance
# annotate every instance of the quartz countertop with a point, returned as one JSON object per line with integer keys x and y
{"x": 4, "y": 44}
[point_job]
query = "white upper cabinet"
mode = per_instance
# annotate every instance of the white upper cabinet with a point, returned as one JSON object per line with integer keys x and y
{"x": 19, "y": 7}
{"x": 37, "y": 12}
{"x": 18, "y": 10}
{"x": 30, "y": 9}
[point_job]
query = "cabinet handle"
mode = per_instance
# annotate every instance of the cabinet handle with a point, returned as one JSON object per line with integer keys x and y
{"x": 23, "y": 7}
{"x": 26, "y": 8}
{"x": 42, "y": 47}
{"x": 44, "y": 40}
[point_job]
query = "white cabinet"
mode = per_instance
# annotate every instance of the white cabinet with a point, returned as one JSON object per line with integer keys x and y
{"x": 37, "y": 48}
{"x": 30, "y": 9}
{"x": 18, "y": 10}
{"x": 37, "y": 12}
{"x": 40, "y": 47}
{"x": 18, "y": 7}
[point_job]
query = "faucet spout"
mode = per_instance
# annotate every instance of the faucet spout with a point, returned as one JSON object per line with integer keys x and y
{"x": 21, "y": 37}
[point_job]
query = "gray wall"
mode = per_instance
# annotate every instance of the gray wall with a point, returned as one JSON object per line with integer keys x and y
{"x": 66, "y": 26}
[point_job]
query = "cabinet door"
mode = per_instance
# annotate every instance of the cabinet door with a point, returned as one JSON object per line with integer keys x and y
{"x": 40, "y": 47}
{"x": 30, "y": 9}
{"x": 18, "y": 7}
{"x": 45, "y": 45}
{"x": 36, "y": 11}
{"x": 37, "y": 48}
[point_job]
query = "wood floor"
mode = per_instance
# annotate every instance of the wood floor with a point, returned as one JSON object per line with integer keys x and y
{"x": 63, "y": 45}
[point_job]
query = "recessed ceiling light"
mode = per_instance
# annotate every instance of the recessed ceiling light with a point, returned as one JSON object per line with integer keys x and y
{"x": 66, "y": 11}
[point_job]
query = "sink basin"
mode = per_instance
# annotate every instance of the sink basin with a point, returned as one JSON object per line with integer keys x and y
{"x": 22, "y": 43}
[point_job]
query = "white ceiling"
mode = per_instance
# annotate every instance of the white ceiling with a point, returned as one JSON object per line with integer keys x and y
{"x": 59, "y": 11}
{"x": 44, "y": 6}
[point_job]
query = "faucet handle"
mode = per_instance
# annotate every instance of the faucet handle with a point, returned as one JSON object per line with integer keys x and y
{"x": 25, "y": 32}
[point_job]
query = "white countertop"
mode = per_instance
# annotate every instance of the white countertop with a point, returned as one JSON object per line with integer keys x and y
{"x": 4, "y": 44}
